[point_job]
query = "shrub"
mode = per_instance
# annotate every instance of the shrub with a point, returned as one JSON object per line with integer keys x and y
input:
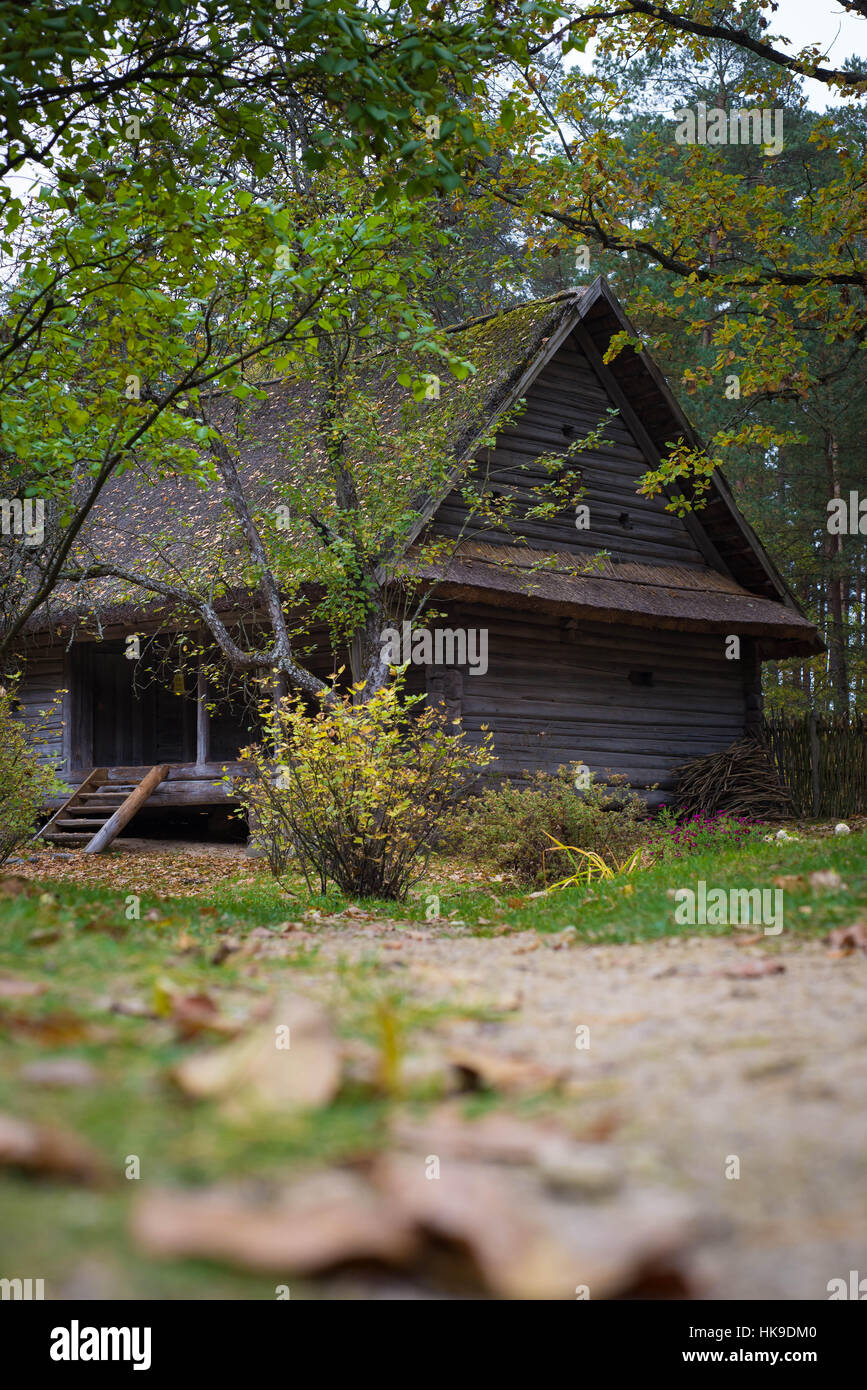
{"x": 510, "y": 826}
{"x": 358, "y": 791}
{"x": 25, "y": 783}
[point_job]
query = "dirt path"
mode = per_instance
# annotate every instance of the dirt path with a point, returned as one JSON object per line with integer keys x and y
{"x": 686, "y": 1069}
{"x": 692, "y": 1068}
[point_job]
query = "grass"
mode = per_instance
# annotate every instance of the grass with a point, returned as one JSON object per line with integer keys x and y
{"x": 639, "y": 902}
{"x": 85, "y": 951}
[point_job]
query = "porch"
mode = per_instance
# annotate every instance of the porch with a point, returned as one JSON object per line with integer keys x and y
{"x": 185, "y": 784}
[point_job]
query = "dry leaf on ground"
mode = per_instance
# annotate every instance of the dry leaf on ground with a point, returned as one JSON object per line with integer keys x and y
{"x": 60, "y": 1071}
{"x": 11, "y": 988}
{"x": 44, "y": 936}
{"x": 562, "y": 1162}
{"x": 826, "y": 878}
{"x": 14, "y": 886}
{"x": 751, "y": 969}
{"x": 46, "y": 1151}
{"x": 481, "y": 1067}
{"x": 843, "y": 941}
{"x": 56, "y": 1029}
{"x": 527, "y": 1246}
{"x": 313, "y": 1224}
{"x": 291, "y": 1062}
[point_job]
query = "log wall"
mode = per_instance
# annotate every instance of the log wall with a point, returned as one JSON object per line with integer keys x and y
{"x": 44, "y": 701}
{"x": 557, "y": 692}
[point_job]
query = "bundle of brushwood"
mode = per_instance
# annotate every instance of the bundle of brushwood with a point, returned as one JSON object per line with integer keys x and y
{"x": 740, "y": 781}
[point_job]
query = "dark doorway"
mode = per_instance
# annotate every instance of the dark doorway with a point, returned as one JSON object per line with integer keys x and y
{"x": 128, "y": 722}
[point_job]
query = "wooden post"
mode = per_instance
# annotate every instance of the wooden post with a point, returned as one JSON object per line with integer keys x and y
{"x": 125, "y": 812}
{"x": 203, "y": 723}
{"x": 814, "y": 763}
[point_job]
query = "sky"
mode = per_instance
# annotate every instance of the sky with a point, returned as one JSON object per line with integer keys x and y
{"x": 824, "y": 22}
{"x": 804, "y": 22}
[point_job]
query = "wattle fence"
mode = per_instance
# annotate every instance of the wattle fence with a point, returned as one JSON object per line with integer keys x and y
{"x": 822, "y": 759}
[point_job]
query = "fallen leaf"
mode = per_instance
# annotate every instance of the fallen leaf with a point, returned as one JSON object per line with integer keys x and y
{"x": 46, "y": 1151}
{"x": 197, "y": 1013}
{"x": 771, "y": 1066}
{"x": 482, "y": 1068}
{"x": 844, "y": 941}
{"x": 567, "y": 937}
{"x": 750, "y": 969}
{"x": 11, "y": 988}
{"x": 14, "y": 886}
{"x": 313, "y": 1224}
{"x": 507, "y": 1003}
{"x": 226, "y": 947}
{"x": 790, "y": 883}
{"x": 290, "y": 1063}
{"x": 828, "y": 879}
{"x": 562, "y": 1161}
{"x": 749, "y": 940}
{"x": 106, "y": 922}
{"x": 524, "y": 1245}
{"x": 59, "y": 1071}
{"x": 56, "y": 1029}
{"x": 131, "y": 1008}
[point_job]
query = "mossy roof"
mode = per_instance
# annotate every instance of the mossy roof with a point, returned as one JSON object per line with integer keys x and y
{"x": 135, "y": 508}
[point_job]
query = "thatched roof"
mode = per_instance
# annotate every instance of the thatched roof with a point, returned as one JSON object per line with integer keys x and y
{"x": 508, "y": 350}
{"x": 681, "y": 597}
{"x": 141, "y": 511}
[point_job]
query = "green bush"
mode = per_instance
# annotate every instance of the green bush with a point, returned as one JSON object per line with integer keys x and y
{"x": 357, "y": 792}
{"x": 508, "y": 826}
{"x": 25, "y": 783}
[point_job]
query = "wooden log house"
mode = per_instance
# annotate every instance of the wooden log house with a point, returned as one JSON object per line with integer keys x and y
{"x": 626, "y": 667}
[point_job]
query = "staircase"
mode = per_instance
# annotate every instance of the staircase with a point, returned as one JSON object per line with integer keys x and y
{"x": 99, "y": 809}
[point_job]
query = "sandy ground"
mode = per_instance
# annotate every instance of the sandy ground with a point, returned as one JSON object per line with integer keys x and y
{"x": 688, "y": 1068}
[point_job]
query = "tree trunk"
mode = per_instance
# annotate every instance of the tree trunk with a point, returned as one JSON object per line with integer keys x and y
{"x": 365, "y": 655}
{"x": 835, "y": 587}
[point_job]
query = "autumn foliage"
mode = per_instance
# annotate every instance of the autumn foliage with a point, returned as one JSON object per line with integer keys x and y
{"x": 359, "y": 792}
{"x": 25, "y": 783}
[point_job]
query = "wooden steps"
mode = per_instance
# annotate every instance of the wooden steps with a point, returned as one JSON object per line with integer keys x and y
{"x": 99, "y": 809}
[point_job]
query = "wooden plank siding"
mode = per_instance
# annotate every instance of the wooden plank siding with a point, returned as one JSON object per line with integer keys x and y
{"x": 566, "y": 401}
{"x": 44, "y": 704}
{"x": 558, "y": 692}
